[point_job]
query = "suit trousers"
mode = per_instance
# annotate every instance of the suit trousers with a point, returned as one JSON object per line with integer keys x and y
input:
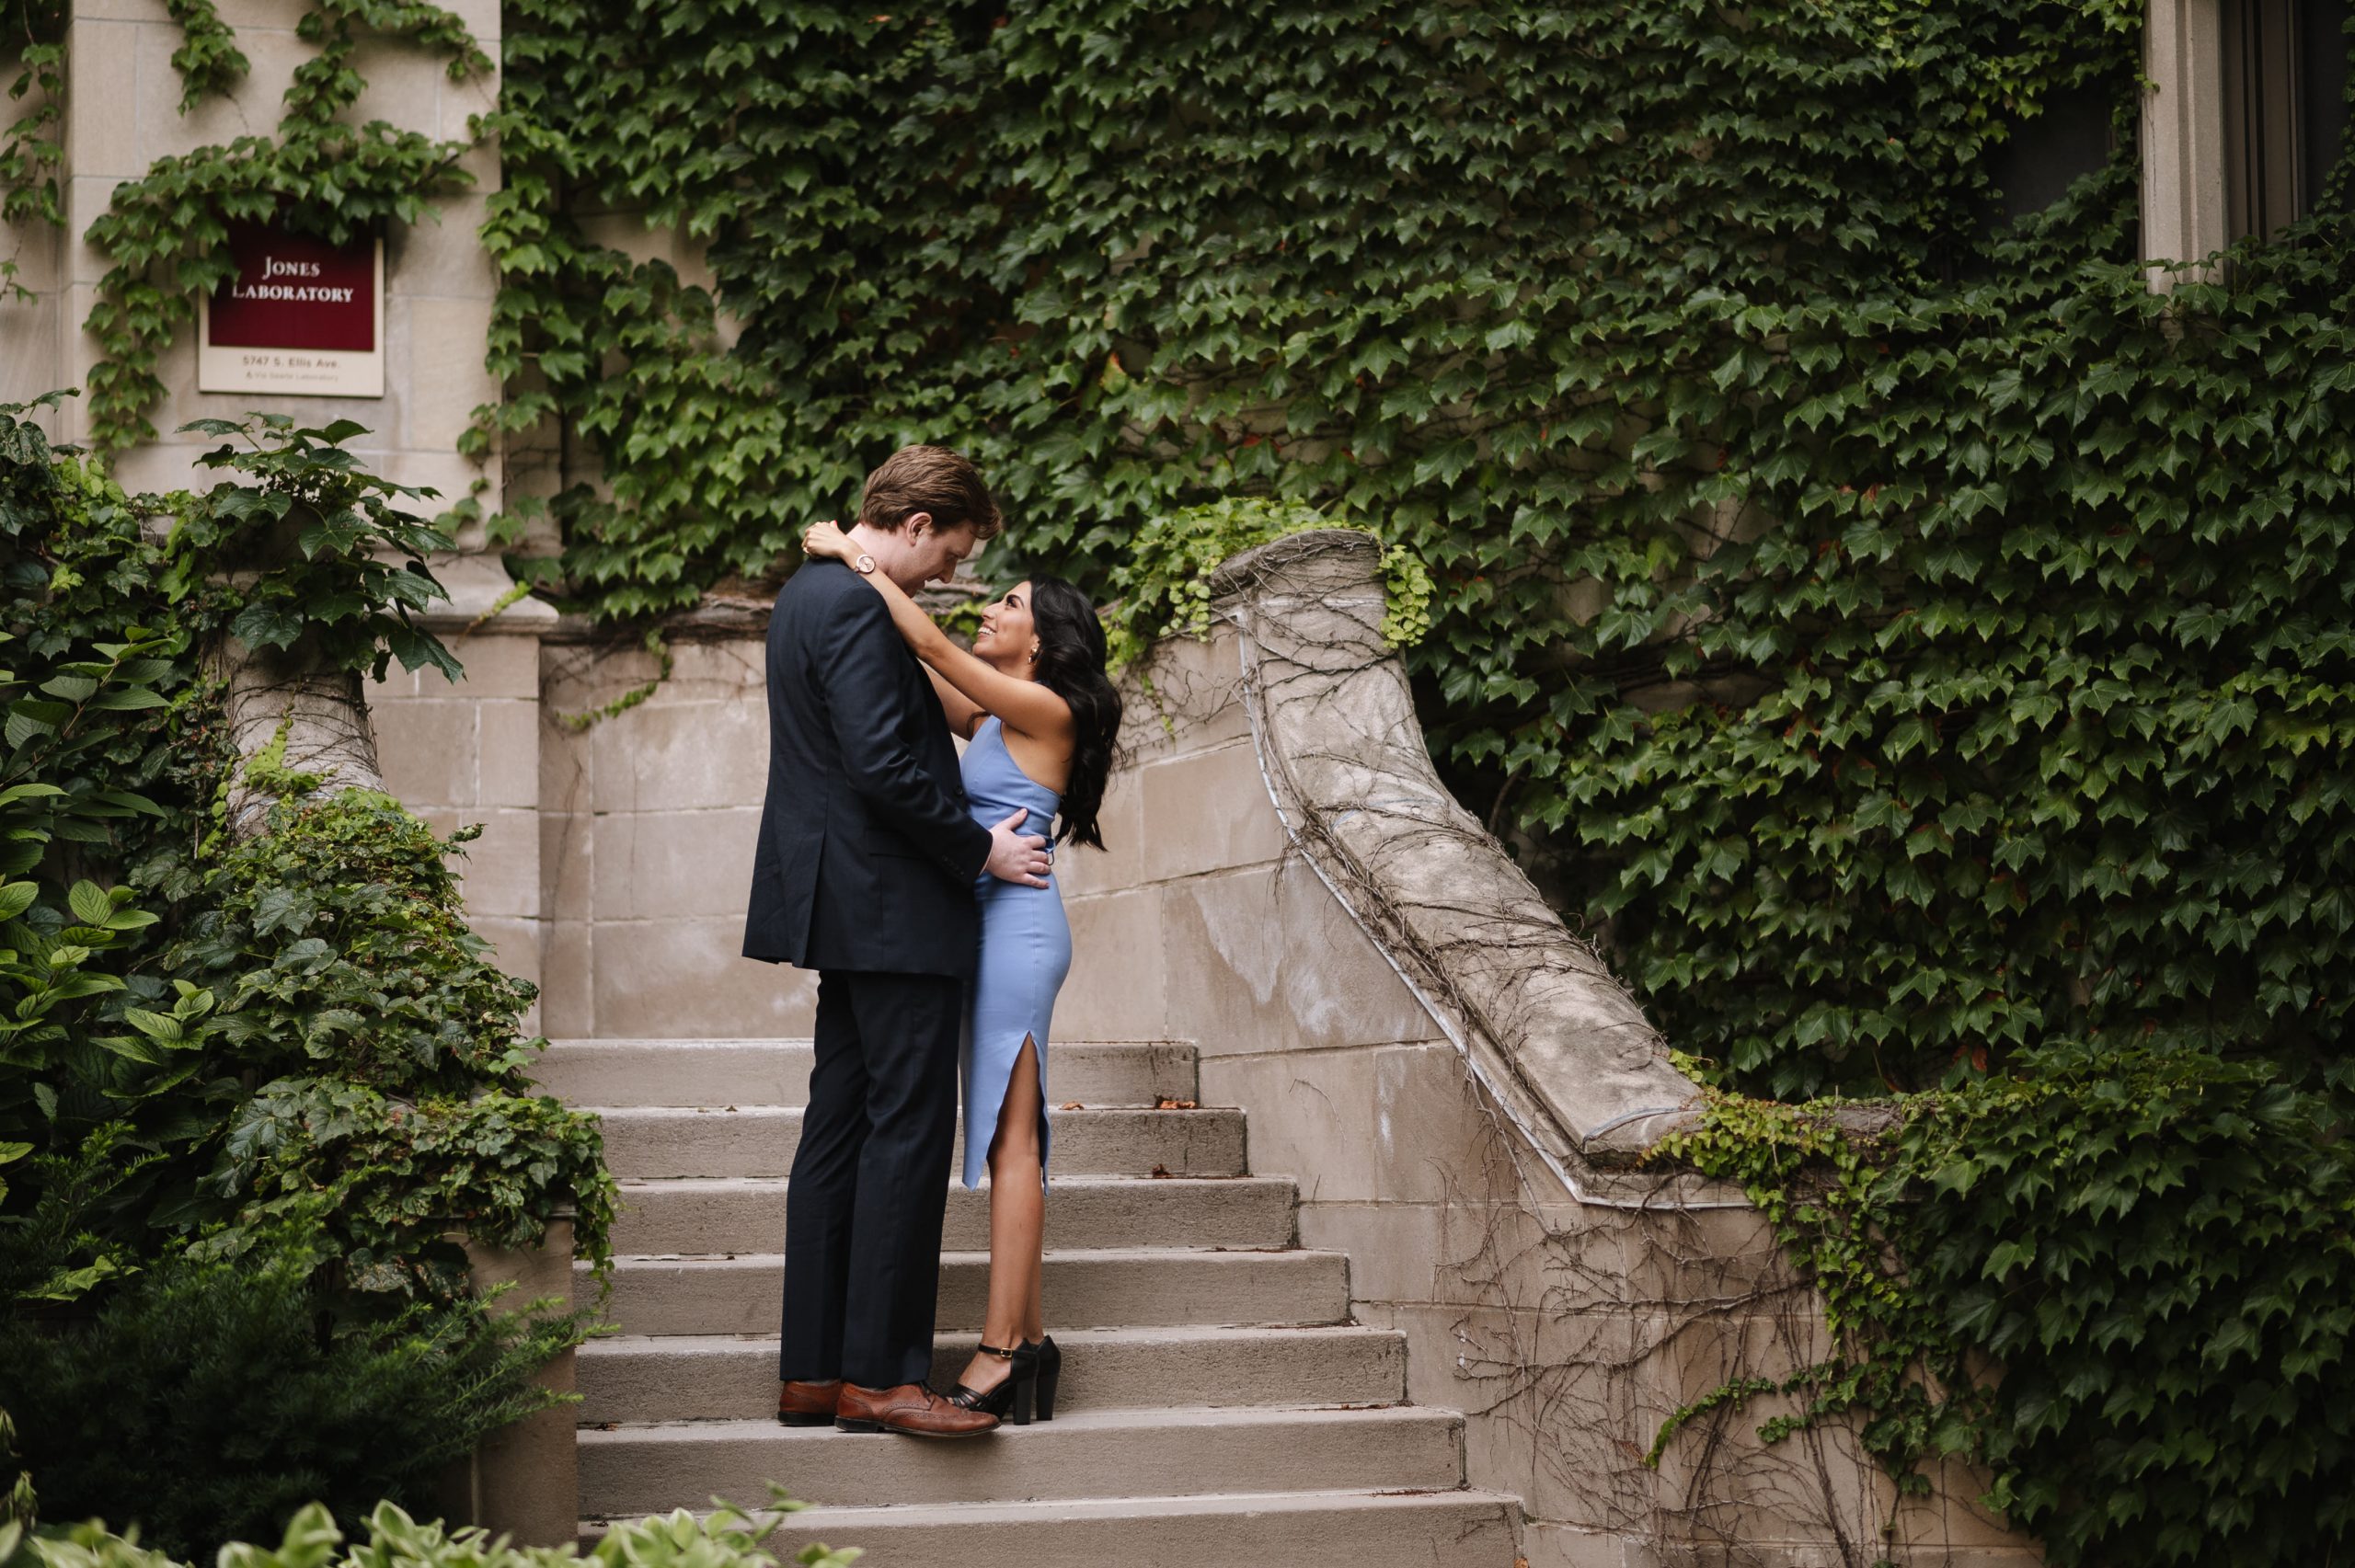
{"x": 870, "y": 1179}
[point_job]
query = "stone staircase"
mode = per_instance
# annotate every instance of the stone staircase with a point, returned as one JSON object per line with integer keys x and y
{"x": 1218, "y": 1406}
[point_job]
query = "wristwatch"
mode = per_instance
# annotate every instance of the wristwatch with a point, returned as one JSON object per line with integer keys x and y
{"x": 864, "y": 565}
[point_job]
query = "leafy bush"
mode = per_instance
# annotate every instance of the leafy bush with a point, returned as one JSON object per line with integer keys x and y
{"x": 236, "y": 1028}
{"x": 248, "y": 1085}
{"x": 211, "y": 1397}
{"x": 725, "y": 1539}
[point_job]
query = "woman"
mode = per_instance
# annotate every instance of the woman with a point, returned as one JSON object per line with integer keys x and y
{"x": 1033, "y": 699}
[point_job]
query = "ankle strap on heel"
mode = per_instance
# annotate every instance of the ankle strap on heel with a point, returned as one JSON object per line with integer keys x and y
{"x": 1001, "y": 1354}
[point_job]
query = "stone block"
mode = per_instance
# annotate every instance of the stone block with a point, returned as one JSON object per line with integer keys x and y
{"x": 86, "y": 198}
{"x": 498, "y": 666}
{"x": 455, "y": 105}
{"x": 404, "y": 83}
{"x": 724, "y": 669}
{"x": 508, "y": 765}
{"x": 38, "y": 252}
{"x": 1668, "y": 1255}
{"x": 1803, "y": 1489}
{"x": 1539, "y": 1391}
{"x": 426, "y": 748}
{"x": 102, "y": 97}
{"x": 1208, "y": 811}
{"x": 686, "y": 980}
{"x": 447, "y": 381}
{"x": 481, "y": 18}
{"x": 1546, "y": 1544}
{"x": 568, "y": 865}
{"x": 1396, "y": 1249}
{"x": 567, "y": 777}
{"x": 122, "y": 11}
{"x": 677, "y": 863}
{"x": 1120, "y": 863}
{"x": 578, "y": 677}
{"x": 1115, "y": 991}
{"x": 1318, "y": 983}
{"x": 1309, "y": 1118}
{"x": 1439, "y": 1133}
{"x": 681, "y": 757}
{"x": 525, "y": 1481}
{"x": 1196, "y": 701}
{"x": 568, "y": 983}
{"x": 441, "y": 257}
{"x": 272, "y": 52}
{"x": 615, "y": 835}
{"x": 30, "y": 332}
{"x": 501, "y": 871}
{"x": 515, "y": 944}
{"x": 444, "y": 472}
{"x": 249, "y": 16}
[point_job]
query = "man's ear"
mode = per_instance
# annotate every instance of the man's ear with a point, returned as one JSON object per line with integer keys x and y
{"x": 919, "y": 524}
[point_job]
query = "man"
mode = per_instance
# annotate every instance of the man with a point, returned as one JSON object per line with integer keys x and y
{"x": 864, "y": 873}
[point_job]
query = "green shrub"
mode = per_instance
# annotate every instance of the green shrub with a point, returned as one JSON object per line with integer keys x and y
{"x": 234, "y": 1030}
{"x": 210, "y": 1398}
{"x": 210, "y": 1045}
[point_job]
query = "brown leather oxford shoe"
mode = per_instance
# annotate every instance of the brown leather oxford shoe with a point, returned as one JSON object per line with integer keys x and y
{"x": 910, "y": 1409}
{"x": 810, "y": 1404}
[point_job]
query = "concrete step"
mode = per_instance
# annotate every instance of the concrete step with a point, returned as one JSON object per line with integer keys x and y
{"x": 759, "y": 1141}
{"x": 726, "y": 1377}
{"x": 1300, "y": 1529}
{"x": 776, "y": 1072}
{"x": 1104, "y": 1453}
{"x": 723, "y": 1214}
{"x": 1100, "y": 1288}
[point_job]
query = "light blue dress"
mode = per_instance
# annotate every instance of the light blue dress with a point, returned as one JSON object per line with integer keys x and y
{"x": 1025, "y": 952}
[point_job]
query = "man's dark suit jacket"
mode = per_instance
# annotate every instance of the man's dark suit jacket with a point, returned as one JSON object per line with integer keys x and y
{"x": 868, "y": 851}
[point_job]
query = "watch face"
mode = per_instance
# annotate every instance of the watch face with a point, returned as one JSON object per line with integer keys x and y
{"x": 864, "y": 565}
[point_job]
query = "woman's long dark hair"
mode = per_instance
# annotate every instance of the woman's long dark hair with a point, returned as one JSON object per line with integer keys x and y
{"x": 1071, "y": 665}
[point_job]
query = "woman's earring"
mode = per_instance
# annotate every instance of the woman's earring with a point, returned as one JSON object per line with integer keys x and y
{"x": 1034, "y": 653}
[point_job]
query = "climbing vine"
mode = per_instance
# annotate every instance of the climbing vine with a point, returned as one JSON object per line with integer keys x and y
{"x": 2119, "y": 1280}
{"x": 1164, "y": 587}
{"x": 1850, "y": 596}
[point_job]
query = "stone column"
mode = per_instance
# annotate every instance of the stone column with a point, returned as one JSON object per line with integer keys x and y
{"x": 32, "y": 330}
{"x": 470, "y": 752}
{"x": 2183, "y": 138}
{"x": 525, "y": 1482}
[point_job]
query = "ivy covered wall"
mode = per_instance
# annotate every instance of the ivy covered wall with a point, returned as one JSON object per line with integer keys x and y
{"x": 1692, "y": 351}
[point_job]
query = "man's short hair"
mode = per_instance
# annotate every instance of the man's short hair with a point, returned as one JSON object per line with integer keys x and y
{"x": 929, "y": 479}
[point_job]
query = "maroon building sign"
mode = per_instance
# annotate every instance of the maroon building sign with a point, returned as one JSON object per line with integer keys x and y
{"x": 301, "y": 318}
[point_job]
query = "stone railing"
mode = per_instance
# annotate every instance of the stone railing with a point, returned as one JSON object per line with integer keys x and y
{"x": 1541, "y": 1021}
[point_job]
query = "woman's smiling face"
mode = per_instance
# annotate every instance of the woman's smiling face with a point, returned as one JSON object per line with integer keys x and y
{"x": 1007, "y": 631}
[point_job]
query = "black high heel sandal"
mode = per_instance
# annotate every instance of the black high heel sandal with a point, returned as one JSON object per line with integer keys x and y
{"x": 1011, "y": 1400}
{"x": 1047, "y": 1368}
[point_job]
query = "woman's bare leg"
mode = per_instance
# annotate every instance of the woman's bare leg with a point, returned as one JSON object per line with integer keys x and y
{"x": 1018, "y": 1225}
